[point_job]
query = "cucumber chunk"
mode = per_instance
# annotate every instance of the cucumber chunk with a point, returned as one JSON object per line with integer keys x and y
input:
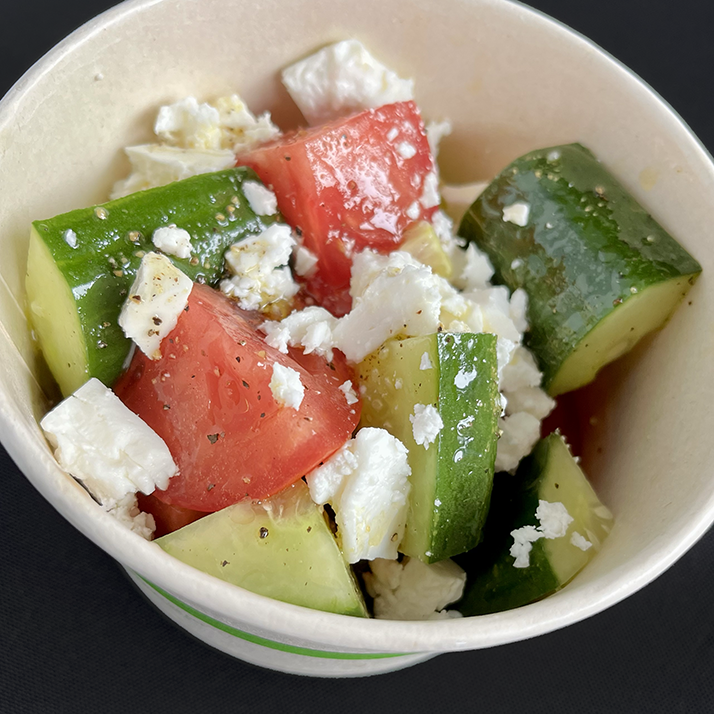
{"x": 81, "y": 265}
{"x": 451, "y": 480}
{"x": 549, "y": 474}
{"x": 281, "y": 547}
{"x": 599, "y": 271}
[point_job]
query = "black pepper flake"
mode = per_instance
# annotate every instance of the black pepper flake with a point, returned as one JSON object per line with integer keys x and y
{"x": 166, "y": 407}
{"x": 287, "y": 158}
{"x": 262, "y": 415}
{"x": 263, "y": 532}
{"x": 242, "y": 343}
{"x": 557, "y": 485}
{"x": 331, "y": 366}
{"x": 156, "y": 320}
{"x": 309, "y": 528}
{"x": 210, "y": 486}
{"x": 245, "y": 384}
{"x": 237, "y": 359}
{"x": 186, "y": 309}
{"x": 224, "y": 563}
{"x": 213, "y": 438}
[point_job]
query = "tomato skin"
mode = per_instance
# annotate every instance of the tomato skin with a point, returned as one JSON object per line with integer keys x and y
{"x": 209, "y": 398}
{"x": 347, "y": 186}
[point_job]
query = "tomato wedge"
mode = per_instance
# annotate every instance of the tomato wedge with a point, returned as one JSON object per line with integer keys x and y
{"x": 209, "y": 398}
{"x": 350, "y": 184}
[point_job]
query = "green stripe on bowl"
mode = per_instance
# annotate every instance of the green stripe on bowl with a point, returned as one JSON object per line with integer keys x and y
{"x": 268, "y": 643}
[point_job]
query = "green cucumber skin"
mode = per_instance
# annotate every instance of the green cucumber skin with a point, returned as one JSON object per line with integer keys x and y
{"x": 465, "y": 484}
{"x": 100, "y": 286}
{"x": 493, "y": 584}
{"x": 588, "y": 246}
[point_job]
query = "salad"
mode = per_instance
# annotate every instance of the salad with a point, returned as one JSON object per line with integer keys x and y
{"x": 282, "y": 361}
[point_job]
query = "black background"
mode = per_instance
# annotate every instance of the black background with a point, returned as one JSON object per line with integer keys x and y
{"x": 75, "y": 637}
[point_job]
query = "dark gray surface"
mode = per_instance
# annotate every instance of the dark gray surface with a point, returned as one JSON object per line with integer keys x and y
{"x": 75, "y": 637}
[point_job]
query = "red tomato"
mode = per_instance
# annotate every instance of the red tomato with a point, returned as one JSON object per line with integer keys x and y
{"x": 209, "y": 399}
{"x": 565, "y": 417}
{"x": 167, "y": 518}
{"x": 347, "y": 185}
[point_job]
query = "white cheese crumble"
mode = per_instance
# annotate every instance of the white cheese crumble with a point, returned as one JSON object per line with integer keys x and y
{"x": 406, "y": 150}
{"x": 155, "y": 165}
{"x": 310, "y": 329}
{"x": 342, "y": 79}
{"x": 173, "y": 240}
{"x": 554, "y": 521}
{"x": 127, "y": 512}
{"x": 305, "y": 261}
{"x": 517, "y": 213}
{"x": 425, "y": 362}
{"x": 435, "y": 132}
{"x": 430, "y": 192}
{"x": 413, "y": 211}
{"x": 70, "y": 238}
{"x": 412, "y": 590}
{"x": 258, "y": 264}
{"x": 262, "y": 200}
{"x": 194, "y": 139}
{"x": 580, "y": 541}
{"x": 520, "y": 432}
{"x": 367, "y": 484}
{"x": 156, "y": 299}
{"x": 426, "y": 424}
{"x": 348, "y": 390}
{"x": 107, "y": 447}
{"x": 286, "y": 386}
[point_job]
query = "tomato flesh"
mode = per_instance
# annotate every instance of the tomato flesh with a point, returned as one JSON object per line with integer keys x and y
{"x": 167, "y": 518}
{"x": 350, "y": 184}
{"x": 209, "y": 398}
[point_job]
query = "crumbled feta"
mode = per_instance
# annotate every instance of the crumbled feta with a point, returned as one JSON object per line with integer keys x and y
{"x": 425, "y": 362}
{"x": 342, "y": 79}
{"x": 435, "y": 132}
{"x": 392, "y": 134}
{"x": 156, "y": 299}
{"x": 412, "y": 590}
{"x": 127, "y": 512}
{"x": 554, "y": 521}
{"x": 406, "y": 150}
{"x": 228, "y": 124}
{"x": 518, "y": 309}
{"x": 477, "y": 270}
{"x": 310, "y": 329}
{"x": 517, "y": 213}
{"x": 286, "y": 386}
{"x": 580, "y": 541}
{"x": 173, "y": 240}
{"x": 107, "y": 447}
{"x": 70, "y": 238}
{"x": 195, "y": 139}
{"x": 155, "y": 165}
{"x": 258, "y": 265}
{"x": 413, "y": 211}
{"x": 408, "y": 288}
{"x": 529, "y": 399}
{"x": 261, "y": 199}
{"x": 426, "y": 424}
{"x": 367, "y": 484}
{"x": 430, "y": 192}
{"x": 520, "y": 432}
{"x": 305, "y": 261}
{"x": 348, "y": 390}
{"x": 520, "y": 371}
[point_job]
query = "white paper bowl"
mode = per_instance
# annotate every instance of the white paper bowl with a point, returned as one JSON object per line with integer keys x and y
{"x": 510, "y": 80}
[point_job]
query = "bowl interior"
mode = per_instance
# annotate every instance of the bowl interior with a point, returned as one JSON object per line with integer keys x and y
{"x": 510, "y": 81}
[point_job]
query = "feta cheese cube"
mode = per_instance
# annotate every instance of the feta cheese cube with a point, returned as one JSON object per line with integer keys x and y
{"x": 173, "y": 240}
{"x": 305, "y": 261}
{"x": 156, "y": 299}
{"x": 155, "y": 165}
{"x": 412, "y": 590}
{"x": 367, "y": 484}
{"x": 286, "y": 386}
{"x": 106, "y": 446}
{"x": 426, "y": 424}
{"x": 342, "y": 79}
{"x": 262, "y": 200}
{"x": 517, "y": 213}
{"x": 258, "y": 265}
{"x": 554, "y": 521}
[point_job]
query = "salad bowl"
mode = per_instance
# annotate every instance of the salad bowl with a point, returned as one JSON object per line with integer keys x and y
{"x": 646, "y": 421}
